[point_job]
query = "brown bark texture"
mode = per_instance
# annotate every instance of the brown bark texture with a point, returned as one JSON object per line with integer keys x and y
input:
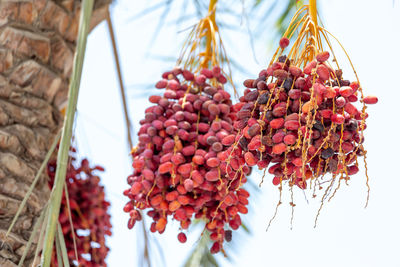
{"x": 37, "y": 43}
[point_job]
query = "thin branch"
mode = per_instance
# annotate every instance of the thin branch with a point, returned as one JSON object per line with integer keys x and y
{"x": 121, "y": 83}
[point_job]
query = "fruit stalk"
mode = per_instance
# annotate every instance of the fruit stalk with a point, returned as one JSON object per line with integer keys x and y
{"x": 211, "y": 9}
{"x": 312, "y": 10}
{"x": 212, "y": 23}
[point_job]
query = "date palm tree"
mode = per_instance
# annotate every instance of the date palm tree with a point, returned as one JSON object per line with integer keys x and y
{"x": 37, "y": 44}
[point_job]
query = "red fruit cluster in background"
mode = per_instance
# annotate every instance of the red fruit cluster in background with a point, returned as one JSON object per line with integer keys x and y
{"x": 301, "y": 123}
{"x": 180, "y": 167}
{"x": 89, "y": 213}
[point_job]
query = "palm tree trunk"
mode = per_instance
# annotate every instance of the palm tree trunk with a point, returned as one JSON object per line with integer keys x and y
{"x": 37, "y": 42}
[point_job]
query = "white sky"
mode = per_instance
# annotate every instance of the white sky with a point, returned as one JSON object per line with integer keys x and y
{"x": 347, "y": 235}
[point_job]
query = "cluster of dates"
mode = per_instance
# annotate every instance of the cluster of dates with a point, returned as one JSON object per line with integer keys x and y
{"x": 180, "y": 168}
{"x": 89, "y": 215}
{"x": 304, "y": 122}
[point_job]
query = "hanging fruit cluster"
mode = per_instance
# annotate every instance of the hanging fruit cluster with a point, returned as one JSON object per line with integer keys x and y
{"x": 180, "y": 167}
{"x": 87, "y": 210}
{"x": 299, "y": 119}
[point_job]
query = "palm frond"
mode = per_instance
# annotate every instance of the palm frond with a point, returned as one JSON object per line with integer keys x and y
{"x": 147, "y": 11}
{"x": 200, "y": 255}
{"x": 287, "y": 14}
{"x": 63, "y": 153}
{"x": 161, "y": 21}
{"x": 61, "y": 244}
{"x": 183, "y": 9}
